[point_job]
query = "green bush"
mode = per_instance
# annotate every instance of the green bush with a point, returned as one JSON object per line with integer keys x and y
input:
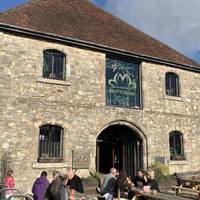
{"x": 93, "y": 178}
{"x": 90, "y": 181}
{"x": 161, "y": 170}
{"x": 95, "y": 175}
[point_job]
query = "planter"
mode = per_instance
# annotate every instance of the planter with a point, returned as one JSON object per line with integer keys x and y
{"x": 177, "y": 157}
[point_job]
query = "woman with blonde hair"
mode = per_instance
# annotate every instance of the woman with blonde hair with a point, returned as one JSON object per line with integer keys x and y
{"x": 151, "y": 181}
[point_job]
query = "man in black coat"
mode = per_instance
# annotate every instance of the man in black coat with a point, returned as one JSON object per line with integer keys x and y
{"x": 140, "y": 179}
{"x": 74, "y": 181}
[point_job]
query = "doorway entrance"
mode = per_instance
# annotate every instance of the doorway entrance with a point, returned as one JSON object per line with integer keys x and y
{"x": 119, "y": 146}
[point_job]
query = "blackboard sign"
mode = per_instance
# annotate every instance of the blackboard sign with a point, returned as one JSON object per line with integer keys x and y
{"x": 122, "y": 83}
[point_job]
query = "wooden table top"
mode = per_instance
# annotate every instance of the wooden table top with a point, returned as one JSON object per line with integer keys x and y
{"x": 191, "y": 180}
{"x": 158, "y": 195}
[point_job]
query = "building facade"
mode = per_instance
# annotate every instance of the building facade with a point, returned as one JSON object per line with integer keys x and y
{"x": 69, "y": 103}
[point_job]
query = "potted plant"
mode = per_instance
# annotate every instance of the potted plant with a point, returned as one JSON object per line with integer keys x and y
{"x": 177, "y": 157}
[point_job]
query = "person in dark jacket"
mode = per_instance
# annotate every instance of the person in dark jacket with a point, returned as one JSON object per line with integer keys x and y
{"x": 140, "y": 180}
{"x": 74, "y": 181}
{"x": 105, "y": 187}
{"x": 57, "y": 188}
{"x": 39, "y": 187}
{"x": 108, "y": 183}
{"x": 122, "y": 187}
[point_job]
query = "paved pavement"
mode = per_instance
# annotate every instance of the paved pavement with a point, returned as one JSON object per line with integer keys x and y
{"x": 90, "y": 192}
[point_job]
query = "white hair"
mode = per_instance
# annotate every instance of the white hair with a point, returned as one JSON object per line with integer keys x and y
{"x": 112, "y": 170}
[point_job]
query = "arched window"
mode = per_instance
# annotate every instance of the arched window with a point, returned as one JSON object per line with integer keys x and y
{"x": 172, "y": 84}
{"x": 54, "y": 64}
{"x": 50, "y": 143}
{"x": 176, "y": 146}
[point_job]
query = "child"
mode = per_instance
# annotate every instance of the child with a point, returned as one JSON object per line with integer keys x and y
{"x": 9, "y": 183}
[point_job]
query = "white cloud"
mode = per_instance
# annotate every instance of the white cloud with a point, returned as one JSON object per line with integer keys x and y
{"x": 174, "y": 22}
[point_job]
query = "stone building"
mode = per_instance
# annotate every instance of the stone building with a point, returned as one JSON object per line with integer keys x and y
{"x": 81, "y": 88}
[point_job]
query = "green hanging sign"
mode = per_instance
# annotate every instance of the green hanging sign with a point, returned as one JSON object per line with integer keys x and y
{"x": 122, "y": 83}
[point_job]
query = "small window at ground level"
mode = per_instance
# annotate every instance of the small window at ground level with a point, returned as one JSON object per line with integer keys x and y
{"x": 50, "y": 143}
{"x": 172, "y": 84}
{"x": 54, "y": 64}
{"x": 176, "y": 146}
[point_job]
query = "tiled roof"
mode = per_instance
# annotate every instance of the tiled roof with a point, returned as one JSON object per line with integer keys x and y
{"x": 82, "y": 20}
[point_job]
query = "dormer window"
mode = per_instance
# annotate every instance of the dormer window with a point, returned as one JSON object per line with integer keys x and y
{"x": 54, "y": 64}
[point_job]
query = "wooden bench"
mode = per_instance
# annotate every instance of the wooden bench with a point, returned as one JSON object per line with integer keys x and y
{"x": 178, "y": 189}
{"x": 156, "y": 196}
{"x": 179, "y": 175}
{"x": 163, "y": 196}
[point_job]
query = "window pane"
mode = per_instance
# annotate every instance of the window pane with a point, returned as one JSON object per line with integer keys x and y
{"x": 173, "y": 85}
{"x": 178, "y": 143}
{"x": 47, "y": 68}
{"x": 44, "y": 141}
{"x": 55, "y": 141}
{"x": 167, "y": 82}
{"x": 58, "y": 66}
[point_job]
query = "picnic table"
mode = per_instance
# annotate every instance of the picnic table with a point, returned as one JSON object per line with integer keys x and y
{"x": 179, "y": 176}
{"x": 194, "y": 184}
{"x": 193, "y": 181}
{"x": 178, "y": 189}
{"x": 150, "y": 195}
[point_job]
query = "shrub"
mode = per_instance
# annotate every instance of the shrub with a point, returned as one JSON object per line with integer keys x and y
{"x": 93, "y": 178}
{"x": 161, "y": 170}
{"x": 95, "y": 175}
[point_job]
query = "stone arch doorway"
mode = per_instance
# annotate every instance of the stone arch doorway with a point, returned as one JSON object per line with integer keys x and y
{"x": 121, "y": 147}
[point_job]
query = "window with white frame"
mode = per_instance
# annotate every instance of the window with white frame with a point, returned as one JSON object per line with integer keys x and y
{"x": 54, "y": 64}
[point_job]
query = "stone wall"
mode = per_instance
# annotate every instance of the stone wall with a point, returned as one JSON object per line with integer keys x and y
{"x": 28, "y": 101}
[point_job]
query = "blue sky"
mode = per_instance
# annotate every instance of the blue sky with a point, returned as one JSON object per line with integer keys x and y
{"x": 6, "y": 4}
{"x": 174, "y": 22}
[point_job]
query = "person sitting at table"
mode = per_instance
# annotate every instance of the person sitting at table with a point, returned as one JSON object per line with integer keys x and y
{"x": 122, "y": 186}
{"x": 140, "y": 179}
{"x": 108, "y": 183}
{"x": 152, "y": 182}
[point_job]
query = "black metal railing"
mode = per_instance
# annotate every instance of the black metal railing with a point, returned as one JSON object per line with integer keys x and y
{"x": 50, "y": 142}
